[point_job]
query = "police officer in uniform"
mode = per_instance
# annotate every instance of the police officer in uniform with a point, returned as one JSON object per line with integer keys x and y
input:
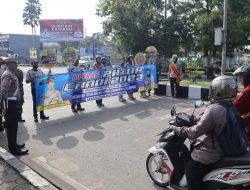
{"x": 19, "y": 75}
{"x": 9, "y": 95}
{"x": 30, "y": 78}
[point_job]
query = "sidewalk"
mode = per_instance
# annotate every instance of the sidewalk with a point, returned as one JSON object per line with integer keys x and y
{"x": 9, "y": 179}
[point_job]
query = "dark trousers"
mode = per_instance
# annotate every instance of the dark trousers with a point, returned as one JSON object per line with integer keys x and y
{"x": 33, "y": 92}
{"x": 195, "y": 171}
{"x": 20, "y": 107}
{"x": 74, "y": 106}
{"x": 98, "y": 102}
{"x": 174, "y": 87}
{"x": 11, "y": 124}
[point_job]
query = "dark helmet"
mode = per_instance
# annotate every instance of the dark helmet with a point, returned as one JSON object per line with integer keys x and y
{"x": 223, "y": 88}
{"x": 243, "y": 70}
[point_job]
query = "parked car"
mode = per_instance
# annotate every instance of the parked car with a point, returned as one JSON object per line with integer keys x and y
{"x": 86, "y": 62}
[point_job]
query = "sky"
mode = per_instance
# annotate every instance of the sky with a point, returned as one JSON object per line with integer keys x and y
{"x": 11, "y": 11}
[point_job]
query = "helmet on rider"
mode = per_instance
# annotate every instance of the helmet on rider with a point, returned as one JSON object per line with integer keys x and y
{"x": 223, "y": 88}
{"x": 243, "y": 73}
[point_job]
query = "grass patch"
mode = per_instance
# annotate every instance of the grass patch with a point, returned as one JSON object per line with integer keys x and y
{"x": 198, "y": 83}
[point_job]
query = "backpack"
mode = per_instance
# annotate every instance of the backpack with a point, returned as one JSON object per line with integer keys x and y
{"x": 233, "y": 138}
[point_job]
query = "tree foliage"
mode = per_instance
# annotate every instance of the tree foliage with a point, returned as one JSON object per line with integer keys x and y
{"x": 31, "y": 14}
{"x": 135, "y": 24}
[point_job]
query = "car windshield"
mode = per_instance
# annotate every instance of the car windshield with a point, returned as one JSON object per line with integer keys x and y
{"x": 87, "y": 59}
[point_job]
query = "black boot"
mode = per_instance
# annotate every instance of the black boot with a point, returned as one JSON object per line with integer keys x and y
{"x": 44, "y": 117}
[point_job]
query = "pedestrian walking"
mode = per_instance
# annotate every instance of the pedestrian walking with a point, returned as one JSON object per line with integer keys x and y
{"x": 175, "y": 76}
{"x": 9, "y": 95}
{"x": 98, "y": 65}
{"x": 75, "y": 68}
{"x": 30, "y": 78}
{"x": 19, "y": 75}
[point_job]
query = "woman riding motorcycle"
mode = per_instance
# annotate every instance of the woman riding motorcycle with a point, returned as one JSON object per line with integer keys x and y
{"x": 242, "y": 102}
{"x": 206, "y": 148}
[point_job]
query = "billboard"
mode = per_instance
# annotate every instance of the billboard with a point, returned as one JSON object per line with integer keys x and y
{"x": 61, "y": 30}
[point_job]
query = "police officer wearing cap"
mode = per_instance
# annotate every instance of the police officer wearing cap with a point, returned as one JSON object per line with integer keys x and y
{"x": 9, "y": 95}
{"x": 30, "y": 78}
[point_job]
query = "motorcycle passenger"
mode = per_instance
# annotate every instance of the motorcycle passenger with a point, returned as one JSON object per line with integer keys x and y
{"x": 206, "y": 148}
{"x": 242, "y": 102}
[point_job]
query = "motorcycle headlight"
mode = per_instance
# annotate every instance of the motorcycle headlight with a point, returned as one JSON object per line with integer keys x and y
{"x": 160, "y": 145}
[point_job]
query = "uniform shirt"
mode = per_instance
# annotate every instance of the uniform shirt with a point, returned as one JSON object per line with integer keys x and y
{"x": 172, "y": 74}
{"x": 73, "y": 68}
{"x": 31, "y": 73}
{"x": 9, "y": 87}
{"x": 242, "y": 103}
{"x": 213, "y": 121}
{"x": 98, "y": 66}
{"x": 19, "y": 75}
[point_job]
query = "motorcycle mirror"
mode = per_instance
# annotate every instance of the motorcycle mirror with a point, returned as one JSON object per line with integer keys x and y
{"x": 172, "y": 122}
{"x": 199, "y": 104}
{"x": 173, "y": 111}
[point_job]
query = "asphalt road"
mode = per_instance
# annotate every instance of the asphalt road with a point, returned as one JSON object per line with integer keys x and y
{"x": 100, "y": 149}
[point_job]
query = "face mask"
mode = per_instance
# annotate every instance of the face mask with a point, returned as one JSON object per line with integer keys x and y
{"x": 175, "y": 61}
{"x": 35, "y": 67}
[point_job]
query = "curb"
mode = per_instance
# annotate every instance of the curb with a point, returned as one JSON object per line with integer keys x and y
{"x": 188, "y": 92}
{"x": 26, "y": 172}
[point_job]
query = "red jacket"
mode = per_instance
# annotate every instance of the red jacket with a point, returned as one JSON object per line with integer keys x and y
{"x": 242, "y": 103}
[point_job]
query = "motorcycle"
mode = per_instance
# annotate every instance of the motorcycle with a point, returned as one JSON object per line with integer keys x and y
{"x": 166, "y": 162}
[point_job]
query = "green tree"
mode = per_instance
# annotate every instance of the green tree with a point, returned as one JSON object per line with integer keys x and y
{"x": 134, "y": 24}
{"x": 31, "y": 15}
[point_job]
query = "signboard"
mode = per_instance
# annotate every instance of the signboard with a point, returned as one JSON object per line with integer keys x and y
{"x": 49, "y": 58}
{"x": 69, "y": 55}
{"x": 61, "y": 89}
{"x": 33, "y": 53}
{"x": 116, "y": 59}
{"x": 218, "y": 36}
{"x": 61, "y": 30}
{"x": 140, "y": 59}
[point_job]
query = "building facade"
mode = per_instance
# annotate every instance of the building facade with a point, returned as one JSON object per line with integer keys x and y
{"x": 18, "y": 44}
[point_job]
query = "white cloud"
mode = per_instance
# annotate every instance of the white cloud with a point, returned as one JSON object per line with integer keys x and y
{"x": 11, "y": 14}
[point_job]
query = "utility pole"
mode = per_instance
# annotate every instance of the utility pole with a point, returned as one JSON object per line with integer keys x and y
{"x": 166, "y": 13}
{"x": 165, "y": 35}
{"x": 224, "y": 41}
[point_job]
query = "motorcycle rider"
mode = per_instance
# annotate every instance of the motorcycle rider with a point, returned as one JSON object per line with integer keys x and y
{"x": 242, "y": 102}
{"x": 206, "y": 148}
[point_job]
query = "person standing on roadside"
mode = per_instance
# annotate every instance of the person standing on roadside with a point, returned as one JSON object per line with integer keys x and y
{"x": 175, "y": 75}
{"x": 2, "y": 69}
{"x": 9, "y": 95}
{"x": 19, "y": 75}
{"x": 75, "y": 68}
{"x": 129, "y": 63}
{"x": 97, "y": 66}
{"x": 30, "y": 78}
